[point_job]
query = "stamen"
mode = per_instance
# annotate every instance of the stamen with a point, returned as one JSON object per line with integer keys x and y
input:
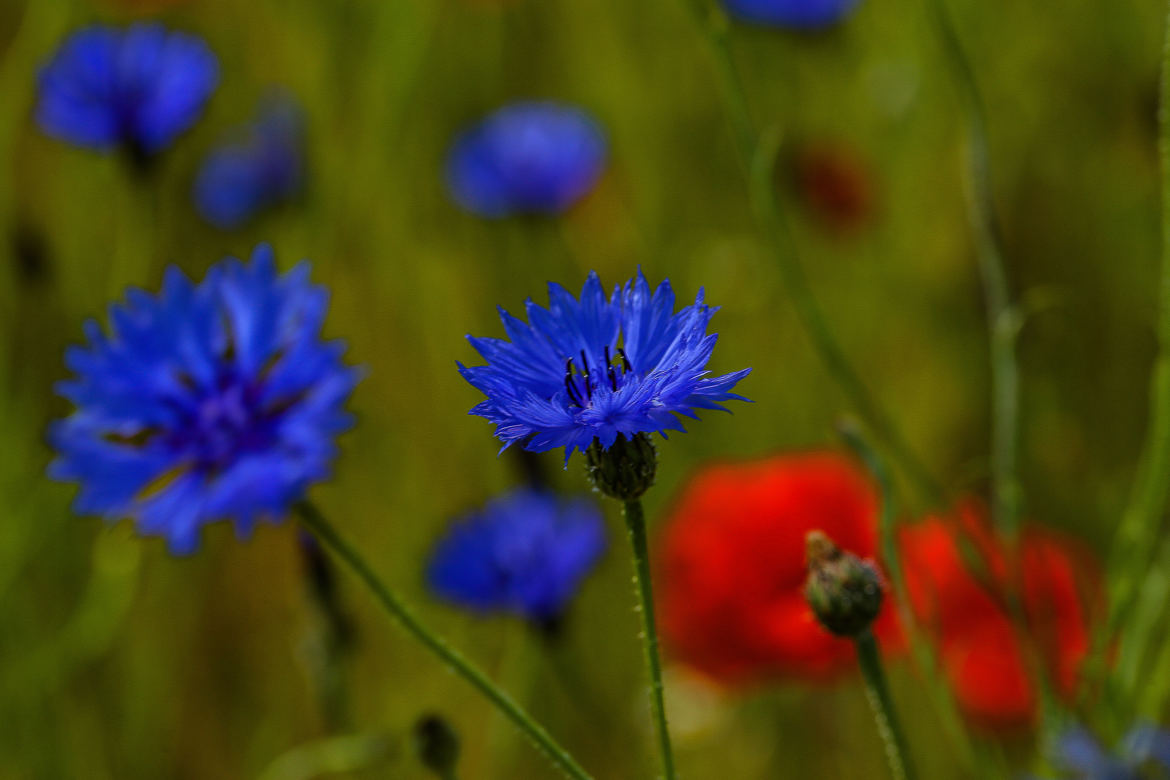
{"x": 585, "y": 373}
{"x": 609, "y": 369}
{"x": 626, "y": 367}
{"x": 570, "y": 387}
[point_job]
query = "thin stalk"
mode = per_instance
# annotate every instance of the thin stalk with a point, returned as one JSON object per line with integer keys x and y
{"x": 882, "y": 705}
{"x": 1002, "y": 318}
{"x": 393, "y": 604}
{"x": 1133, "y": 550}
{"x": 757, "y": 160}
{"x": 1003, "y": 324}
{"x": 636, "y": 525}
{"x": 922, "y": 652}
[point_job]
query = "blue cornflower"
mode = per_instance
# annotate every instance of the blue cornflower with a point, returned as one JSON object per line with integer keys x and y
{"x": 525, "y": 552}
{"x": 215, "y": 400}
{"x": 1078, "y": 754}
{"x": 526, "y": 158}
{"x": 259, "y": 169}
{"x": 597, "y": 368}
{"x": 805, "y": 14}
{"x": 137, "y": 88}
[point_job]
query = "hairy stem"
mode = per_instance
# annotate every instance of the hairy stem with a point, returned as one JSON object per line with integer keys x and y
{"x": 636, "y": 525}
{"x": 882, "y": 705}
{"x": 393, "y": 604}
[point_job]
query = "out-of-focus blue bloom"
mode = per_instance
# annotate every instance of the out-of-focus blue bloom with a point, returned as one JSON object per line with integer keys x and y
{"x": 1078, "y": 754}
{"x": 215, "y": 400}
{"x": 805, "y": 14}
{"x": 525, "y": 552}
{"x": 136, "y": 88}
{"x": 598, "y": 368}
{"x": 526, "y": 158}
{"x": 259, "y": 169}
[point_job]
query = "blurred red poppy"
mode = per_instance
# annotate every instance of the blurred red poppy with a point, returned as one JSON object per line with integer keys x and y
{"x": 957, "y": 577}
{"x": 835, "y": 184}
{"x": 732, "y": 571}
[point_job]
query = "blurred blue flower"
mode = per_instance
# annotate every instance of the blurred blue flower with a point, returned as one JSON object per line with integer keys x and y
{"x": 208, "y": 401}
{"x": 259, "y": 169}
{"x": 526, "y": 158}
{"x": 597, "y": 368}
{"x": 804, "y": 14}
{"x": 137, "y": 88}
{"x": 525, "y": 552}
{"x": 1078, "y": 754}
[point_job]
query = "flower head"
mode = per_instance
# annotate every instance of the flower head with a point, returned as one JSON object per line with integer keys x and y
{"x": 261, "y": 168}
{"x": 525, "y": 552}
{"x": 982, "y": 652}
{"x": 137, "y": 88}
{"x": 732, "y": 564}
{"x": 526, "y": 158}
{"x": 209, "y": 401}
{"x": 597, "y": 368}
{"x": 807, "y": 14}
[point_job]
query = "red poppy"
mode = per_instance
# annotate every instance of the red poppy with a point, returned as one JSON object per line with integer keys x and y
{"x": 960, "y": 599}
{"x": 834, "y": 183}
{"x": 732, "y": 569}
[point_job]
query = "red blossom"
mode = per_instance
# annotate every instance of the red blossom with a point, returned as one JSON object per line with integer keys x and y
{"x": 732, "y": 569}
{"x": 958, "y": 579}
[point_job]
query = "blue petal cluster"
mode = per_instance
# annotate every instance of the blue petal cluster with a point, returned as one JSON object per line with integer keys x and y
{"x": 801, "y": 14}
{"x": 261, "y": 168}
{"x": 598, "y": 367}
{"x": 138, "y": 88}
{"x": 1144, "y": 747}
{"x": 209, "y": 401}
{"x": 526, "y": 553}
{"x": 526, "y": 158}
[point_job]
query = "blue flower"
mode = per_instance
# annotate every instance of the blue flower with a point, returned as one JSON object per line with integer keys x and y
{"x": 526, "y": 158}
{"x": 525, "y": 552}
{"x": 598, "y": 368}
{"x": 1079, "y": 755}
{"x": 137, "y": 88}
{"x": 216, "y": 400}
{"x": 804, "y": 14}
{"x": 260, "y": 169}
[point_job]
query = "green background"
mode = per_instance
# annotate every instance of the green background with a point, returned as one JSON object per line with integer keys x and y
{"x": 120, "y": 661}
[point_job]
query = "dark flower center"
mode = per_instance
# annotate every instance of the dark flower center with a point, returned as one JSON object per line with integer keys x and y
{"x": 220, "y": 425}
{"x": 581, "y": 380}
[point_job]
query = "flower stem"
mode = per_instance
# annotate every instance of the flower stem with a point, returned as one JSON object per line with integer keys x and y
{"x": 1002, "y": 318}
{"x": 636, "y": 525}
{"x": 1133, "y": 550}
{"x": 878, "y": 694}
{"x": 758, "y": 160}
{"x": 922, "y": 652}
{"x": 392, "y": 603}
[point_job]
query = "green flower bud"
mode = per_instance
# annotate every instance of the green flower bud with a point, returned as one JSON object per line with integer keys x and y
{"x": 845, "y": 592}
{"x": 624, "y": 471}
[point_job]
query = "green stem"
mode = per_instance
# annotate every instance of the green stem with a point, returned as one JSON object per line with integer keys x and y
{"x": 921, "y": 649}
{"x": 878, "y": 694}
{"x": 636, "y": 525}
{"x": 1002, "y": 319}
{"x": 1133, "y": 550}
{"x": 316, "y": 522}
{"x": 758, "y": 162}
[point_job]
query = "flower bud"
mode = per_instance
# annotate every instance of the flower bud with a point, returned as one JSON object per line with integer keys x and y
{"x": 845, "y": 592}
{"x": 624, "y": 471}
{"x": 437, "y": 744}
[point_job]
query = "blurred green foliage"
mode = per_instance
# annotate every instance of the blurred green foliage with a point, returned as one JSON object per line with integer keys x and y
{"x": 119, "y": 661}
